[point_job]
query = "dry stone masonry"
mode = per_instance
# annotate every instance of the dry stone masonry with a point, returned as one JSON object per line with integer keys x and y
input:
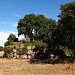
{"x": 16, "y": 52}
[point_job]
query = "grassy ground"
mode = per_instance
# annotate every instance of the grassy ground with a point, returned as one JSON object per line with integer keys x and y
{"x": 22, "y": 67}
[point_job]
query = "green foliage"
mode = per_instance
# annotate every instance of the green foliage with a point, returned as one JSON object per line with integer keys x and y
{"x": 67, "y": 24}
{"x": 68, "y": 52}
{"x": 11, "y": 38}
{"x": 25, "y": 25}
{"x": 36, "y": 27}
{"x": 6, "y": 43}
{"x": 1, "y": 48}
{"x": 40, "y": 45}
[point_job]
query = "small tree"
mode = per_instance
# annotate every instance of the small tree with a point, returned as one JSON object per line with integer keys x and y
{"x": 11, "y": 38}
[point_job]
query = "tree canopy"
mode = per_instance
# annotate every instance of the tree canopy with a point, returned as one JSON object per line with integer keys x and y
{"x": 36, "y": 27}
{"x": 67, "y": 24}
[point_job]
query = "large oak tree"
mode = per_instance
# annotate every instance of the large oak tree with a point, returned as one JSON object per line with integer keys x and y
{"x": 36, "y": 27}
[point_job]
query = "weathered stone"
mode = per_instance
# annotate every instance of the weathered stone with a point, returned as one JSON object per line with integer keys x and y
{"x": 24, "y": 56}
{"x": 29, "y": 52}
{"x": 22, "y": 46}
{"x": 16, "y": 52}
{"x": 17, "y": 56}
{"x": 52, "y": 56}
{"x": 29, "y": 47}
{"x": 56, "y": 57}
{"x": 33, "y": 47}
{"x": 14, "y": 57}
{"x": 16, "y": 47}
{"x": 29, "y": 56}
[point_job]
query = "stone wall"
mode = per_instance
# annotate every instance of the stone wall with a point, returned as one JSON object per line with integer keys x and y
{"x": 15, "y": 52}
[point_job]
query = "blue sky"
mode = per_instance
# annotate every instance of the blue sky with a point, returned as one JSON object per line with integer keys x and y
{"x": 11, "y": 11}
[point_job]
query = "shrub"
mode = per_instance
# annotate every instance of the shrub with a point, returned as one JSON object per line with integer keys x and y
{"x": 6, "y": 43}
{"x": 68, "y": 52}
{"x": 39, "y": 50}
{"x": 40, "y": 45}
{"x": 1, "y": 48}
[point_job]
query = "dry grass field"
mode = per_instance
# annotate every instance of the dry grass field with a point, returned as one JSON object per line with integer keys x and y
{"x": 22, "y": 67}
{"x": 1, "y": 53}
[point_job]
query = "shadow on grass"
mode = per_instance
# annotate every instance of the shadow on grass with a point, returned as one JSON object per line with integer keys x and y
{"x": 52, "y": 61}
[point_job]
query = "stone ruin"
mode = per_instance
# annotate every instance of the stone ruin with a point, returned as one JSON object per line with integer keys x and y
{"x": 16, "y": 52}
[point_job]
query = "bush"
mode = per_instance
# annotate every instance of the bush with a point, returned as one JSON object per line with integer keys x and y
{"x": 6, "y": 43}
{"x": 40, "y": 45}
{"x": 11, "y": 38}
{"x": 39, "y": 50}
{"x": 1, "y": 48}
{"x": 68, "y": 52}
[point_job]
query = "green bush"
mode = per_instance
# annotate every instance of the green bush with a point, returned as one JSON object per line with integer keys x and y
{"x": 68, "y": 52}
{"x": 1, "y": 48}
{"x": 40, "y": 45}
{"x": 6, "y": 43}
